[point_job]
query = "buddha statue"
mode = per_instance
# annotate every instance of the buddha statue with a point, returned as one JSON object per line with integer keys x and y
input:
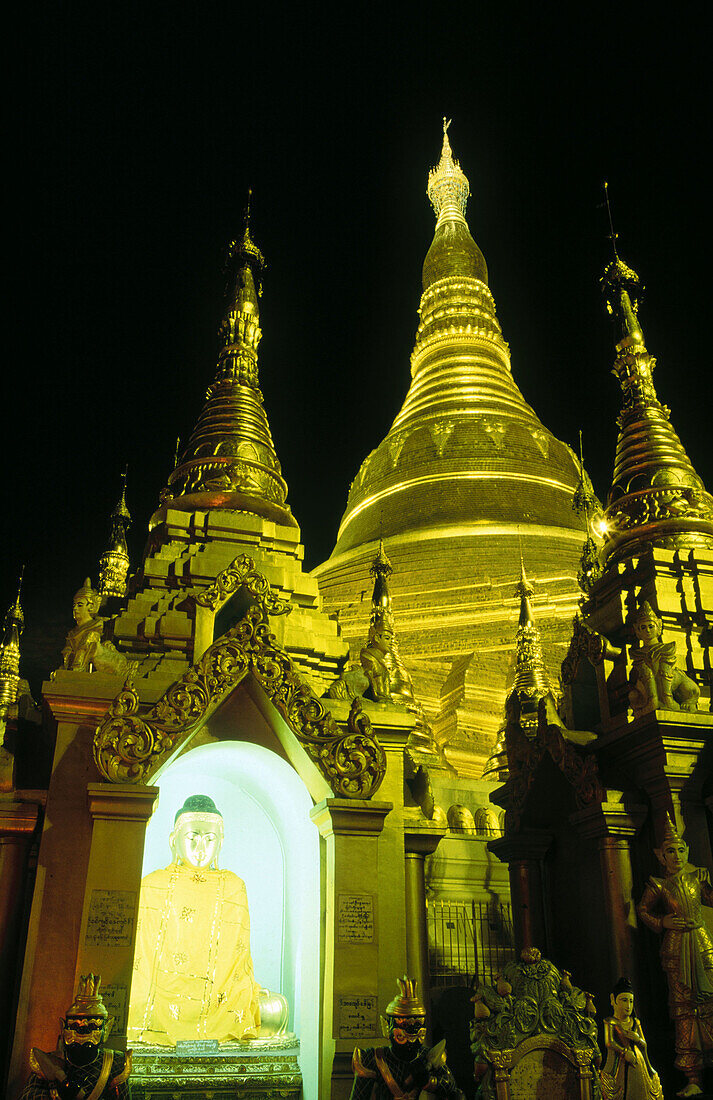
{"x": 406, "y": 1066}
{"x": 655, "y": 681}
{"x": 84, "y": 650}
{"x": 193, "y": 972}
{"x": 81, "y": 1066}
{"x": 672, "y": 905}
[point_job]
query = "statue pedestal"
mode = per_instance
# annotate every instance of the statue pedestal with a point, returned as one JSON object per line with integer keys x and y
{"x": 257, "y": 1070}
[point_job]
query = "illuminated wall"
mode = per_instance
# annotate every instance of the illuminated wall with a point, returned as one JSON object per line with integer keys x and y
{"x": 272, "y": 844}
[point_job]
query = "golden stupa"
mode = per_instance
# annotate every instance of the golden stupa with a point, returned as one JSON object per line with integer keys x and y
{"x": 466, "y": 478}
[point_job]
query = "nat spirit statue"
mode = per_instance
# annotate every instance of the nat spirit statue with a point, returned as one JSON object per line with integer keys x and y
{"x": 406, "y": 1067}
{"x": 83, "y": 649}
{"x": 628, "y": 1073}
{"x": 655, "y": 681}
{"x": 193, "y": 973}
{"x": 81, "y": 1066}
{"x": 672, "y": 905}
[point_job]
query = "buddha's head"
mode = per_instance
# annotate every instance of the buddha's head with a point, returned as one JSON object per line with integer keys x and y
{"x": 197, "y": 835}
{"x": 85, "y": 603}
{"x": 647, "y": 625}
{"x": 406, "y": 1020}
{"x": 622, "y": 999}
{"x": 673, "y": 853}
{"x": 84, "y": 1026}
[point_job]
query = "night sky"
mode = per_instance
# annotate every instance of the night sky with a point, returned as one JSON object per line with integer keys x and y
{"x": 135, "y": 134}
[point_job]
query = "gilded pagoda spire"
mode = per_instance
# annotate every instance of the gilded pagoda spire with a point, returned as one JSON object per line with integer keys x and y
{"x": 10, "y": 650}
{"x": 229, "y": 461}
{"x": 531, "y": 681}
{"x": 388, "y": 676}
{"x": 380, "y": 657}
{"x": 656, "y": 497}
{"x": 114, "y": 562}
{"x": 465, "y": 442}
{"x": 584, "y": 503}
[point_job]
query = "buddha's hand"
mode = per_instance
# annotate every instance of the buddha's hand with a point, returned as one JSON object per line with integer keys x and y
{"x": 678, "y": 924}
{"x": 630, "y": 1057}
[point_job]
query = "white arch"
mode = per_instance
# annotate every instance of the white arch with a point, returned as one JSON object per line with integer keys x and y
{"x": 272, "y": 844}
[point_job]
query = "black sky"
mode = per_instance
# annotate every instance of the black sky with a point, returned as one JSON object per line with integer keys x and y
{"x": 135, "y": 133}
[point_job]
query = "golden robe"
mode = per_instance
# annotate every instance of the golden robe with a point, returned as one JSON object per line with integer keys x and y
{"x": 193, "y": 973}
{"x": 619, "y": 1079}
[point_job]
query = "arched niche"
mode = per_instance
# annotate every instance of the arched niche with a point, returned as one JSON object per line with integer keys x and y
{"x": 272, "y": 844}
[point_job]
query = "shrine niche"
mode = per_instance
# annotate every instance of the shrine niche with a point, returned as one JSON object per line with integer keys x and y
{"x": 235, "y": 974}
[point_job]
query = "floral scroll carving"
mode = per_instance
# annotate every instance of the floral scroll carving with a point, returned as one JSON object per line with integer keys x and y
{"x": 241, "y": 573}
{"x": 128, "y": 744}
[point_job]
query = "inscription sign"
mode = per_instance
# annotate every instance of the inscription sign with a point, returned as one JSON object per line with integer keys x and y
{"x": 357, "y": 1017}
{"x": 111, "y": 918}
{"x": 355, "y": 918}
{"x": 114, "y": 997}
{"x": 187, "y": 1047}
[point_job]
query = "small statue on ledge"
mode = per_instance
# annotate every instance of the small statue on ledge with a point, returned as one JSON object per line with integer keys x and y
{"x": 672, "y": 905}
{"x": 406, "y": 1068}
{"x": 81, "y": 1066}
{"x": 655, "y": 681}
{"x": 627, "y": 1074}
{"x": 84, "y": 650}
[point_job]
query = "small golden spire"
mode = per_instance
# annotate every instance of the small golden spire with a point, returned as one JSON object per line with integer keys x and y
{"x": 381, "y": 660}
{"x": 531, "y": 681}
{"x": 583, "y": 504}
{"x": 380, "y": 657}
{"x": 229, "y": 461}
{"x": 453, "y": 251}
{"x": 448, "y": 187}
{"x": 114, "y": 562}
{"x": 656, "y": 498}
{"x": 10, "y": 649}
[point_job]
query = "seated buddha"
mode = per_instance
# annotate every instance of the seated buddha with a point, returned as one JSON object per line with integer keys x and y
{"x": 193, "y": 972}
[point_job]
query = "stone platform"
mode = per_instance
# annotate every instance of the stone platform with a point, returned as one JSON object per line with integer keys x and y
{"x": 263, "y": 1069}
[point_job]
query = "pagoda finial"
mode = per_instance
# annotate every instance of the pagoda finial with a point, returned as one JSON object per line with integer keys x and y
{"x": 583, "y": 504}
{"x": 229, "y": 462}
{"x": 612, "y": 235}
{"x": 10, "y": 649}
{"x": 656, "y": 498}
{"x": 389, "y": 679}
{"x": 114, "y": 562}
{"x": 448, "y": 187}
{"x": 531, "y": 682}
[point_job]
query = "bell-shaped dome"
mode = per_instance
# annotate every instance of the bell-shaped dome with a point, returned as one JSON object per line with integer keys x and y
{"x": 465, "y": 474}
{"x": 453, "y": 252}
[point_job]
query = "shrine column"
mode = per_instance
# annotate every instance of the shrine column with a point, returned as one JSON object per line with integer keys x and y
{"x": 524, "y": 854}
{"x": 613, "y": 825}
{"x": 107, "y": 935}
{"x": 18, "y": 822}
{"x": 350, "y": 829}
{"x": 419, "y": 842}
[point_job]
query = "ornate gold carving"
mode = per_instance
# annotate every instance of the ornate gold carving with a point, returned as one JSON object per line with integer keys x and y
{"x": 656, "y": 494}
{"x": 10, "y": 650}
{"x": 127, "y": 744}
{"x": 448, "y": 187}
{"x": 242, "y": 573}
{"x": 114, "y": 562}
{"x": 229, "y": 460}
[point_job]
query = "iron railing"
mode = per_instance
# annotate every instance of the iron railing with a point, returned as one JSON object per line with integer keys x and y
{"x": 468, "y": 940}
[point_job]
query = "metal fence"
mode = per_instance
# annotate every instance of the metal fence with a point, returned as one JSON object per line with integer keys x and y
{"x": 468, "y": 939}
